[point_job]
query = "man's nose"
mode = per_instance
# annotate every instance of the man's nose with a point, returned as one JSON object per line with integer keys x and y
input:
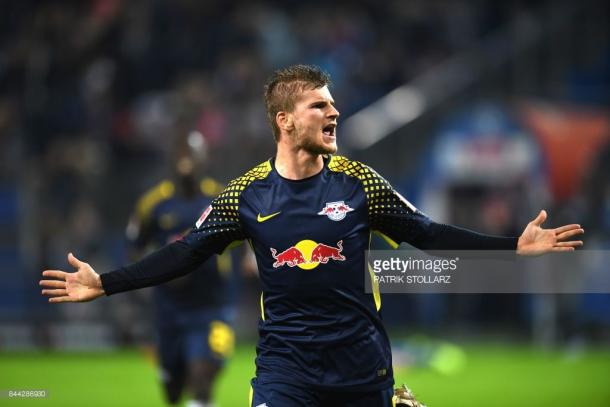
{"x": 334, "y": 113}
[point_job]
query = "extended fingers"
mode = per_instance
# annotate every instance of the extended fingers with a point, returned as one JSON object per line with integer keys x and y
{"x": 557, "y": 249}
{"x": 53, "y": 283}
{"x": 569, "y": 233}
{"x": 55, "y": 292}
{"x": 572, "y": 243}
{"x": 65, "y": 298}
{"x": 55, "y": 274}
{"x": 565, "y": 228}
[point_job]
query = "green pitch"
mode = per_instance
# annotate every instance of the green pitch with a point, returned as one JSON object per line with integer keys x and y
{"x": 485, "y": 376}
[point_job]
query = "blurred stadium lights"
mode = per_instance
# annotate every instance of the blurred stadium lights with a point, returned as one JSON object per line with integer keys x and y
{"x": 380, "y": 119}
{"x": 410, "y": 101}
{"x": 447, "y": 80}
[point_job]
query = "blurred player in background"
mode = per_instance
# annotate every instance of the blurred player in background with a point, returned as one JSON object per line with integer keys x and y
{"x": 192, "y": 313}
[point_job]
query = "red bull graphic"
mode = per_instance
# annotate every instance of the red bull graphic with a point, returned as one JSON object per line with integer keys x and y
{"x": 291, "y": 257}
{"x": 323, "y": 253}
{"x": 336, "y": 210}
{"x": 308, "y": 254}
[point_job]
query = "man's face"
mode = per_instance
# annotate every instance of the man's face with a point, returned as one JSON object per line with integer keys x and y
{"x": 315, "y": 121}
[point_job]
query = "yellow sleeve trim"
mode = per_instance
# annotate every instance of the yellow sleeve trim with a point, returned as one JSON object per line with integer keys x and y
{"x": 375, "y": 285}
{"x": 393, "y": 244}
{"x": 262, "y": 308}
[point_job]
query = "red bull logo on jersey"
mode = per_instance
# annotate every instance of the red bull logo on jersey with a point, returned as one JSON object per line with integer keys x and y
{"x": 336, "y": 210}
{"x": 307, "y": 255}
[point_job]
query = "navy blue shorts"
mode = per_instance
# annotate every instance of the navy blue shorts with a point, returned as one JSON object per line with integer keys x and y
{"x": 290, "y": 395}
{"x": 193, "y": 336}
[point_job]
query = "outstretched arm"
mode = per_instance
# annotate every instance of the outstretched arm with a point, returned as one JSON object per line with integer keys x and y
{"x": 400, "y": 221}
{"x": 169, "y": 262}
{"x": 535, "y": 241}
{"x": 83, "y": 285}
{"x": 216, "y": 229}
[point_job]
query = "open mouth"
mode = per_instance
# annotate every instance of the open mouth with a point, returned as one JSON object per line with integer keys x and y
{"x": 329, "y": 129}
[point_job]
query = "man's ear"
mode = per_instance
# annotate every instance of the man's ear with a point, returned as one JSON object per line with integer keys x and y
{"x": 284, "y": 121}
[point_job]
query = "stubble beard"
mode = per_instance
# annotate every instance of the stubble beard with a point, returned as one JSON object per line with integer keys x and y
{"x": 313, "y": 145}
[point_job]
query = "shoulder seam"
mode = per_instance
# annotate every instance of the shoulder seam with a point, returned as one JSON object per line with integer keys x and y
{"x": 229, "y": 198}
{"x": 374, "y": 185}
{"x": 349, "y": 167}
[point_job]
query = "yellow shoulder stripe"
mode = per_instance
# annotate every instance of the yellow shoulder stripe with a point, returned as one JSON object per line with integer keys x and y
{"x": 228, "y": 200}
{"x": 377, "y": 190}
{"x": 164, "y": 190}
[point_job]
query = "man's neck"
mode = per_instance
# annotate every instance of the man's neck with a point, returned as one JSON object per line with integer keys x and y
{"x": 297, "y": 164}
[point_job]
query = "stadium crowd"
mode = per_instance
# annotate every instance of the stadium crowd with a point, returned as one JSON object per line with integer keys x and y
{"x": 91, "y": 93}
{"x": 112, "y": 81}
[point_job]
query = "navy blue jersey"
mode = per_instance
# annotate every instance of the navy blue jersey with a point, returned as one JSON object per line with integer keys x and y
{"x": 163, "y": 216}
{"x": 318, "y": 326}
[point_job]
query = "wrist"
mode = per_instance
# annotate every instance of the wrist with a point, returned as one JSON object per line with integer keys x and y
{"x": 519, "y": 248}
{"x": 98, "y": 284}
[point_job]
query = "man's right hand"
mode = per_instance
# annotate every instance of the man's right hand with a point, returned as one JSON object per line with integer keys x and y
{"x": 83, "y": 285}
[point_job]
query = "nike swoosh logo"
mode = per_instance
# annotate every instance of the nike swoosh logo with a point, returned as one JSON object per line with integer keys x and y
{"x": 261, "y": 219}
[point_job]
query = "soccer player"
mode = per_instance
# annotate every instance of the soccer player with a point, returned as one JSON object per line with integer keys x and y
{"x": 192, "y": 313}
{"x": 308, "y": 215}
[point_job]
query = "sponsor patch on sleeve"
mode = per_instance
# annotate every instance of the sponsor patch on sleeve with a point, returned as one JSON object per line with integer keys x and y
{"x": 203, "y": 216}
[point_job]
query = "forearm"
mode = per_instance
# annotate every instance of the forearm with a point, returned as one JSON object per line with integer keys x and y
{"x": 447, "y": 237}
{"x": 170, "y": 262}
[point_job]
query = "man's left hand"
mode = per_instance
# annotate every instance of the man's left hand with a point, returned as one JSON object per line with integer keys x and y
{"x": 535, "y": 240}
